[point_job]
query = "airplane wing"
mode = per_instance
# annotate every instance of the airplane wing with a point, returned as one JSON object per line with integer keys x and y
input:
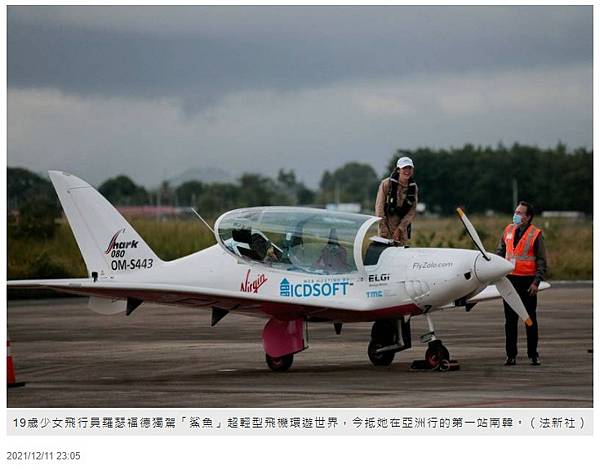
{"x": 111, "y": 297}
{"x": 151, "y": 292}
{"x": 489, "y": 293}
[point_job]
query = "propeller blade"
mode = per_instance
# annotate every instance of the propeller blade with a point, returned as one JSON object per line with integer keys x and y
{"x": 472, "y": 232}
{"x": 509, "y": 294}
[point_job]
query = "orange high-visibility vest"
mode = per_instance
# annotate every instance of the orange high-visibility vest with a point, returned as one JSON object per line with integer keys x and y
{"x": 522, "y": 255}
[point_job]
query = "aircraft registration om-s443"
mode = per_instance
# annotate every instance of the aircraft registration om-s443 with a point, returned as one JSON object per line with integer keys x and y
{"x": 291, "y": 266}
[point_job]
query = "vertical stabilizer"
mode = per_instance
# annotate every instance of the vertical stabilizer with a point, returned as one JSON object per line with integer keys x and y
{"x": 108, "y": 244}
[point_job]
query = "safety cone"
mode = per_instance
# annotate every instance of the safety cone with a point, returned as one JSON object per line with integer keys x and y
{"x": 10, "y": 368}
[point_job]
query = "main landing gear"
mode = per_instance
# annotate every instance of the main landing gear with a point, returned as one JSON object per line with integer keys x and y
{"x": 387, "y": 338}
{"x": 281, "y": 340}
{"x": 279, "y": 364}
{"x": 390, "y": 336}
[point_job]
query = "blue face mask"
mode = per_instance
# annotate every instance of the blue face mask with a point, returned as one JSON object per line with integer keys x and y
{"x": 517, "y": 219}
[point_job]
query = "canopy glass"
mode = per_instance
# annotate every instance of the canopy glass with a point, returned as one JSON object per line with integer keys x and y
{"x": 311, "y": 240}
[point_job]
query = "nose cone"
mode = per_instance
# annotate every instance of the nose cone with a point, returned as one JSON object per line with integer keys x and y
{"x": 492, "y": 270}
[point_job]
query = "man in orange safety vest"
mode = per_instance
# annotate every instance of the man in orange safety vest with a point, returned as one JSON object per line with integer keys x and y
{"x": 522, "y": 243}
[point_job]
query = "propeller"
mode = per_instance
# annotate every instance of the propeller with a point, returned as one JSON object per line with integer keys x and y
{"x": 509, "y": 294}
{"x": 494, "y": 270}
{"x": 472, "y": 232}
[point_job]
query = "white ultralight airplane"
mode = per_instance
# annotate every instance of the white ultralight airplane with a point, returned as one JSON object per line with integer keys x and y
{"x": 289, "y": 265}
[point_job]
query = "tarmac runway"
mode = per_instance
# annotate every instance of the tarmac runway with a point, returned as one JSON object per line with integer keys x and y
{"x": 171, "y": 357}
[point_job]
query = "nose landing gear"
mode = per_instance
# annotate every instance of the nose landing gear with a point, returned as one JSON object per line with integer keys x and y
{"x": 437, "y": 356}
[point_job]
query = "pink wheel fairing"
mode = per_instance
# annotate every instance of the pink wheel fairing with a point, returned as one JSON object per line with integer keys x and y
{"x": 283, "y": 337}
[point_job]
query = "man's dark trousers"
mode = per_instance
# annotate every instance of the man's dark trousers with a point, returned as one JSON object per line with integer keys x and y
{"x": 511, "y": 327}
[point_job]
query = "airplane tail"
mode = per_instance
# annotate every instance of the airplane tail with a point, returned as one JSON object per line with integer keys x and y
{"x": 108, "y": 244}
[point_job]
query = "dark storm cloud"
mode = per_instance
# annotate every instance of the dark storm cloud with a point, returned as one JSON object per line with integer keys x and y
{"x": 101, "y": 91}
{"x": 153, "y": 52}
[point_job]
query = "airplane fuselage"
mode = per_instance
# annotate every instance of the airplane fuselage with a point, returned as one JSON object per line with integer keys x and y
{"x": 404, "y": 281}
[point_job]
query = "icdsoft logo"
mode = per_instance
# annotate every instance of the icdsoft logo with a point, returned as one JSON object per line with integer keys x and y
{"x": 315, "y": 289}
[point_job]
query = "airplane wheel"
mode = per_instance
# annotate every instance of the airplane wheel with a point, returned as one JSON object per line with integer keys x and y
{"x": 279, "y": 364}
{"x": 379, "y": 359}
{"x": 384, "y": 331}
{"x": 435, "y": 354}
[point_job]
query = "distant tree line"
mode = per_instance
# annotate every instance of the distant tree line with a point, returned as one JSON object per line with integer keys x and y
{"x": 482, "y": 178}
{"x": 32, "y": 204}
{"x": 213, "y": 198}
{"x": 476, "y": 178}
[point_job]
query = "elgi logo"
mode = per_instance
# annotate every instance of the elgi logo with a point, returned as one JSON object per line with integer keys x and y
{"x": 379, "y": 277}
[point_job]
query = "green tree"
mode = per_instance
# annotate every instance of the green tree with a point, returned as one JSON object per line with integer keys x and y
{"x": 480, "y": 179}
{"x": 258, "y": 190}
{"x": 189, "y": 193}
{"x": 35, "y": 201}
{"x": 23, "y": 185}
{"x": 218, "y": 198}
{"x": 294, "y": 190}
{"x": 121, "y": 190}
{"x": 353, "y": 182}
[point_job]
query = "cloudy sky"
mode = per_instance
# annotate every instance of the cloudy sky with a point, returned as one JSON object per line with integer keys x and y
{"x": 154, "y": 92}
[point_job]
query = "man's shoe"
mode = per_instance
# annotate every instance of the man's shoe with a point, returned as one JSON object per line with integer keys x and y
{"x": 510, "y": 361}
{"x": 535, "y": 361}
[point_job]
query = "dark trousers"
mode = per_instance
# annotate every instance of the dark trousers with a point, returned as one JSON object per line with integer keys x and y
{"x": 511, "y": 327}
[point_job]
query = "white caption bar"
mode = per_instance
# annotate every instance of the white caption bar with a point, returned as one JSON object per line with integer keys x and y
{"x": 184, "y": 422}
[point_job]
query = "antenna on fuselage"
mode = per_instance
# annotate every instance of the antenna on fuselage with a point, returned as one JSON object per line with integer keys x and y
{"x": 205, "y": 222}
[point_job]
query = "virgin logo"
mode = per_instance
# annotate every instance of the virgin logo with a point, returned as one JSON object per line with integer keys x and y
{"x": 253, "y": 286}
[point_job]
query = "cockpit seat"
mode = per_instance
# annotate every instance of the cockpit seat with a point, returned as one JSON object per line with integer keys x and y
{"x": 374, "y": 251}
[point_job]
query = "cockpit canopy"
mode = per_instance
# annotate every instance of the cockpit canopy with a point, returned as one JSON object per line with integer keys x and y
{"x": 315, "y": 241}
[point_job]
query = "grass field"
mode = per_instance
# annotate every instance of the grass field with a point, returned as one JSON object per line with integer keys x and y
{"x": 569, "y": 244}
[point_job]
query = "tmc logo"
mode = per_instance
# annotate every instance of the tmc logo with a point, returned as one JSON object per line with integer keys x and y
{"x": 374, "y": 294}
